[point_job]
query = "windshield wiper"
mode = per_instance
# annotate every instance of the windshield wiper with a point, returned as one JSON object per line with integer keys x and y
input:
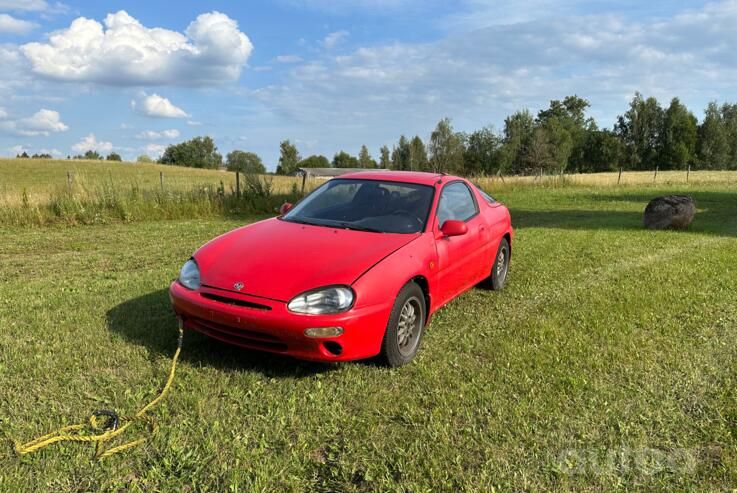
{"x": 333, "y": 224}
{"x": 354, "y": 227}
{"x": 301, "y": 221}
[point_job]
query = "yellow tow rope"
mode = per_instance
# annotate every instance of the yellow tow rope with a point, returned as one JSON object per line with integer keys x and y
{"x": 105, "y": 420}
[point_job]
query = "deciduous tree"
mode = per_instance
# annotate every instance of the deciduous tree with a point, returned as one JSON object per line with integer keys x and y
{"x": 713, "y": 147}
{"x": 288, "y": 158}
{"x": 385, "y": 160}
{"x": 640, "y": 130}
{"x": 482, "y": 152}
{"x": 678, "y": 137}
{"x": 364, "y": 158}
{"x": 199, "y": 152}
{"x": 245, "y": 162}
{"x": 314, "y": 161}
{"x": 344, "y": 160}
{"x": 401, "y": 155}
{"x": 446, "y": 148}
{"x": 418, "y": 155}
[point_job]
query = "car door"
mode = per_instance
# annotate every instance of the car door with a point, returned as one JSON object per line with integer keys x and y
{"x": 458, "y": 256}
{"x": 495, "y": 217}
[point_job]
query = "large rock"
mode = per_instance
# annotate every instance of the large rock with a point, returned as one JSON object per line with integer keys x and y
{"x": 669, "y": 212}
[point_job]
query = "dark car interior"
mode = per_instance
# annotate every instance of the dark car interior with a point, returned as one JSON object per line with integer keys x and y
{"x": 382, "y": 206}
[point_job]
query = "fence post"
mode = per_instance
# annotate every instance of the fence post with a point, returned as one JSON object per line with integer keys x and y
{"x": 237, "y": 184}
{"x": 161, "y": 180}
{"x": 688, "y": 172}
{"x": 656, "y": 173}
{"x": 304, "y": 179}
{"x": 70, "y": 178}
{"x": 619, "y": 178}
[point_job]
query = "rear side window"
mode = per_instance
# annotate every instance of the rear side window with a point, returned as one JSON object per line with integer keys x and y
{"x": 485, "y": 195}
{"x": 456, "y": 203}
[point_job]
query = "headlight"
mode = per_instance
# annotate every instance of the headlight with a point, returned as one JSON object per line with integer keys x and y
{"x": 189, "y": 276}
{"x": 334, "y": 299}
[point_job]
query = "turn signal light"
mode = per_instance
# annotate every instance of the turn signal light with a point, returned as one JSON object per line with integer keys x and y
{"x": 321, "y": 332}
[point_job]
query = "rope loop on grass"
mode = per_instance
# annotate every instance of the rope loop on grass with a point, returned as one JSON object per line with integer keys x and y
{"x": 105, "y": 425}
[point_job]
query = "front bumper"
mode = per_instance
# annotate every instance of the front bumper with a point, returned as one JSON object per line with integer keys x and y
{"x": 267, "y": 325}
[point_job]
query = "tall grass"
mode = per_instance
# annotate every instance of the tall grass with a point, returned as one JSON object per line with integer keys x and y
{"x": 106, "y": 203}
{"x": 38, "y": 192}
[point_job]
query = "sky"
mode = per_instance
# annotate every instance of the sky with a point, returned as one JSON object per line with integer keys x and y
{"x": 134, "y": 76}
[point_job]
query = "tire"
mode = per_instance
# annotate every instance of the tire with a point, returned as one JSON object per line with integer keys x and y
{"x": 399, "y": 346}
{"x": 500, "y": 268}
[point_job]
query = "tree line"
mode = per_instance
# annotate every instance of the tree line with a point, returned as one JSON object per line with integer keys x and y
{"x": 559, "y": 138}
{"x": 113, "y": 156}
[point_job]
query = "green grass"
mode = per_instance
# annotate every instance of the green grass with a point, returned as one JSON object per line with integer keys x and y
{"x": 608, "y": 339}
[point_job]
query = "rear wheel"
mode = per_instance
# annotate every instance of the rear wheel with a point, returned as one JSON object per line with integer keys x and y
{"x": 404, "y": 330}
{"x": 500, "y": 267}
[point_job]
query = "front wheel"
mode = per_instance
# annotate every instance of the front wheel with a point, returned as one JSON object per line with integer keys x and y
{"x": 404, "y": 330}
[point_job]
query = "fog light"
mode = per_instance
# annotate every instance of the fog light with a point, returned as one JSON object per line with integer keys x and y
{"x": 319, "y": 332}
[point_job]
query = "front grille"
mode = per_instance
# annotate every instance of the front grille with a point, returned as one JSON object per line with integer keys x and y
{"x": 234, "y": 301}
{"x": 239, "y": 337}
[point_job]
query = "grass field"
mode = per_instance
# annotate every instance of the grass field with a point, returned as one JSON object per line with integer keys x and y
{"x": 609, "y": 362}
{"x": 41, "y": 178}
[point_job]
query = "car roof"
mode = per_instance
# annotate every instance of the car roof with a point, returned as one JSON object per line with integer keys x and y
{"x": 419, "y": 177}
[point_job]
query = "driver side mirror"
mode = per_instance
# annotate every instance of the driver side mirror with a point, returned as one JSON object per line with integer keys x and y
{"x": 453, "y": 228}
{"x": 285, "y": 207}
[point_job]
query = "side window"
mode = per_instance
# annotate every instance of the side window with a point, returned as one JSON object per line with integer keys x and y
{"x": 485, "y": 195}
{"x": 456, "y": 203}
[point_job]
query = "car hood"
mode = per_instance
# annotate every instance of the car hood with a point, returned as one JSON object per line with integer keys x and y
{"x": 278, "y": 259}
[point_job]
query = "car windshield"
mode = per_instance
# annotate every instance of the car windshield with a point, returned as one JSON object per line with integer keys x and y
{"x": 366, "y": 205}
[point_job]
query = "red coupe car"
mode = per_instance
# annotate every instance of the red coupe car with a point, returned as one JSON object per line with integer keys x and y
{"x": 353, "y": 270}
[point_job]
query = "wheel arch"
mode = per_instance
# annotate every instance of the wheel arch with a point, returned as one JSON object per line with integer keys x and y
{"x": 424, "y": 285}
{"x": 507, "y": 236}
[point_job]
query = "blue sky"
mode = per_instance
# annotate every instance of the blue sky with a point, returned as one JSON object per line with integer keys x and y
{"x": 135, "y": 76}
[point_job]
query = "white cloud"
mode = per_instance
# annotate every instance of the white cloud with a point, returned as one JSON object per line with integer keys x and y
{"x": 20, "y": 149}
{"x": 154, "y": 150}
{"x": 480, "y": 76}
{"x": 43, "y": 122}
{"x": 154, "y": 135}
{"x": 90, "y": 143}
{"x": 333, "y": 39}
{"x": 193, "y": 123}
{"x": 17, "y": 149}
{"x": 28, "y": 5}
{"x": 157, "y": 106}
{"x": 11, "y": 25}
{"x": 370, "y": 6}
{"x": 288, "y": 59}
{"x": 124, "y": 52}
